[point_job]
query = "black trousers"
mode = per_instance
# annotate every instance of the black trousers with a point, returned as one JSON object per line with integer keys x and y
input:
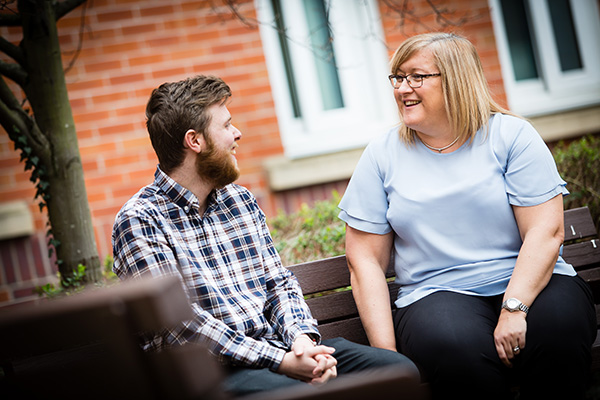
{"x": 351, "y": 357}
{"x": 450, "y": 338}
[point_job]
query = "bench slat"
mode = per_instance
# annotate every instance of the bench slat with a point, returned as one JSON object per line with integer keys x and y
{"x": 339, "y": 305}
{"x": 583, "y": 255}
{"x": 350, "y": 329}
{"x": 321, "y": 275}
{"x": 579, "y": 223}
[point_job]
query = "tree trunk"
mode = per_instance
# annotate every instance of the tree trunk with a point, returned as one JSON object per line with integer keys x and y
{"x": 46, "y": 90}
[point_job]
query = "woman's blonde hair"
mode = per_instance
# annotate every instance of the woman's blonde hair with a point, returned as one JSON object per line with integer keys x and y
{"x": 469, "y": 103}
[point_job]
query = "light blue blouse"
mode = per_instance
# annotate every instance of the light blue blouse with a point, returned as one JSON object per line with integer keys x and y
{"x": 451, "y": 213}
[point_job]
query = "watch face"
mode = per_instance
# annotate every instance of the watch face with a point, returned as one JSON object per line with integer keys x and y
{"x": 512, "y": 303}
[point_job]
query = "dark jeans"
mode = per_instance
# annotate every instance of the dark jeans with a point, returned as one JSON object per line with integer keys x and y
{"x": 450, "y": 338}
{"x": 351, "y": 357}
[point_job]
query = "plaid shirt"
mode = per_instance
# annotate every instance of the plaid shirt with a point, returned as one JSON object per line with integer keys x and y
{"x": 248, "y": 308}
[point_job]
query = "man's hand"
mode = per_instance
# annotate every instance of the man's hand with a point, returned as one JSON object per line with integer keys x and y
{"x": 309, "y": 363}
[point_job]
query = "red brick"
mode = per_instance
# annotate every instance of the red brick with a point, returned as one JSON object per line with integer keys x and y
{"x": 115, "y": 129}
{"x": 103, "y": 66}
{"x": 114, "y": 16}
{"x": 148, "y": 59}
{"x": 91, "y": 117}
{"x": 152, "y": 11}
{"x": 169, "y": 73}
{"x": 90, "y": 150}
{"x": 231, "y": 48}
{"x": 85, "y": 85}
{"x": 166, "y": 41}
{"x": 127, "y": 79}
{"x": 110, "y": 98}
{"x": 122, "y": 48}
{"x": 138, "y": 29}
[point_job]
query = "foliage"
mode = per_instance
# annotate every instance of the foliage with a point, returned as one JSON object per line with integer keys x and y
{"x": 77, "y": 282}
{"x": 579, "y": 165}
{"x": 309, "y": 234}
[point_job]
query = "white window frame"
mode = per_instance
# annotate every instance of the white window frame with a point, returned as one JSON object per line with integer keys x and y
{"x": 362, "y": 61}
{"x": 554, "y": 90}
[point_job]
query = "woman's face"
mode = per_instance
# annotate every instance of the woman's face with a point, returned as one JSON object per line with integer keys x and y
{"x": 423, "y": 109}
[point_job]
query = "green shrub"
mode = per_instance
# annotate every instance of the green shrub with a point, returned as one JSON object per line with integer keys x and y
{"x": 77, "y": 283}
{"x": 309, "y": 234}
{"x": 579, "y": 164}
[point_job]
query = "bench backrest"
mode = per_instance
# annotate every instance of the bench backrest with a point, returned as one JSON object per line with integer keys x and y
{"x": 326, "y": 281}
{"x": 86, "y": 346}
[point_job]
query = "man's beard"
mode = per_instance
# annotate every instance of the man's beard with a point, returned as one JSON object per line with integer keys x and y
{"x": 216, "y": 166}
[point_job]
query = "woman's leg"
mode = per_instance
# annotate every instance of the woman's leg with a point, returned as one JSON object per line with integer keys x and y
{"x": 561, "y": 327}
{"x": 450, "y": 338}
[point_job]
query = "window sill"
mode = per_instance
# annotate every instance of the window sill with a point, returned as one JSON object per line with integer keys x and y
{"x": 284, "y": 174}
{"x": 16, "y": 220}
{"x": 564, "y": 125}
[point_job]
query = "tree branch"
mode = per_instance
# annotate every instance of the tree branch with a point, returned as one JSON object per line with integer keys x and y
{"x": 9, "y": 17}
{"x": 65, "y": 7}
{"x": 13, "y": 116}
{"x": 13, "y": 71}
{"x": 11, "y": 50}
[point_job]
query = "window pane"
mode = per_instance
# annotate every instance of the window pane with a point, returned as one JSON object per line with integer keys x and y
{"x": 564, "y": 34}
{"x": 519, "y": 38}
{"x": 320, "y": 40}
{"x": 287, "y": 60}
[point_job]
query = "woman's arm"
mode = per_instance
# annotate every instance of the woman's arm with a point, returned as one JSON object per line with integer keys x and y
{"x": 542, "y": 231}
{"x": 368, "y": 258}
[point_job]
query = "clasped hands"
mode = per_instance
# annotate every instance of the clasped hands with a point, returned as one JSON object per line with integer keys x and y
{"x": 308, "y": 362}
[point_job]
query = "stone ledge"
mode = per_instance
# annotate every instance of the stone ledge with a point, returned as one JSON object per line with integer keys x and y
{"x": 284, "y": 174}
{"x": 16, "y": 220}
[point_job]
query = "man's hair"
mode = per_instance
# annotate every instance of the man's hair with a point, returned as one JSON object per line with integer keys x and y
{"x": 469, "y": 103}
{"x": 176, "y": 107}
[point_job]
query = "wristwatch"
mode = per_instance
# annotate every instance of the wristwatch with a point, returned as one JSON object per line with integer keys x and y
{"x": 513, "y": 305}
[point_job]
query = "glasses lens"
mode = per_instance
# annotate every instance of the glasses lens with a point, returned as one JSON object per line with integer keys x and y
{"x": 415, "y": 81}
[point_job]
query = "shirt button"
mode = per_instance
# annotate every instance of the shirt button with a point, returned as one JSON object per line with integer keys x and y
{"x": 186, "y": 208}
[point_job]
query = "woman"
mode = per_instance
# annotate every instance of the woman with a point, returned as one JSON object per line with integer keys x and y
{"x": 466, "y": 202}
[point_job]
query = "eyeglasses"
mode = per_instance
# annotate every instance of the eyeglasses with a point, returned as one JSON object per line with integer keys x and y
{"x": 414, "y": 80}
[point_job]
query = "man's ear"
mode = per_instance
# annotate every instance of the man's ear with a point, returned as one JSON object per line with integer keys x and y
{"x": 194, "y": 141}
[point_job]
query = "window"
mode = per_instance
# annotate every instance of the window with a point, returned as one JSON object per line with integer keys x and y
{"x": 328, "y": 69}
{"x": 549, "y": 53}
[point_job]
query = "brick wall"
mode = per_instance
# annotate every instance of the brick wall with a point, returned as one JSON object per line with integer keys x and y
{"x": 130, "y": 47}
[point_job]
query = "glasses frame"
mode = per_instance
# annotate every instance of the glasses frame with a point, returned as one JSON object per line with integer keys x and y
{"x": 402, "y": 78}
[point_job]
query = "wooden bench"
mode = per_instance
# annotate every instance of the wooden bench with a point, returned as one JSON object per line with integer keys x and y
{"x": 86, "y": 346}
{"x": 337, "y": 313}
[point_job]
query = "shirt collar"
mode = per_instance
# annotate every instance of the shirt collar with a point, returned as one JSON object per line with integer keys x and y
{"x": 182, "y": 196}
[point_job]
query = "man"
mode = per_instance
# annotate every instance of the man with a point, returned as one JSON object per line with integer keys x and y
{"x": 194, "y": 223}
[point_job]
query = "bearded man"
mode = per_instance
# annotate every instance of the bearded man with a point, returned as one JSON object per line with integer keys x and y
{"x": 193, "y": 222}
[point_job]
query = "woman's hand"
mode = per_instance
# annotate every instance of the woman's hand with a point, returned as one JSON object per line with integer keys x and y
{"x": 509, "y": 335}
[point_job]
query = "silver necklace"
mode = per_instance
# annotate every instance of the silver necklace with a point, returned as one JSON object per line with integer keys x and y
{"x": 439, "y": 150}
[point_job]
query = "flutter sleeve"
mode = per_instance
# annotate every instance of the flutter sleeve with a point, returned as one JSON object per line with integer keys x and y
{"x": 365, "y": 203}
{"x": 531, "y": 175}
